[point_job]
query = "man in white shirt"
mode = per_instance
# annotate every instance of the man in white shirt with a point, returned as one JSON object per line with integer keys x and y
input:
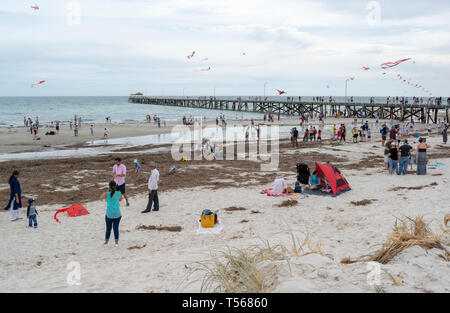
{"x": 153, "y": 189}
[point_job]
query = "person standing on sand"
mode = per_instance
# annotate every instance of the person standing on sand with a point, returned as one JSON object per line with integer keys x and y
{"x": 444, "y": 133}
{"x": 113, "y": 214}
{"x": 105, "y": 133}
{"x": 119, "y": 174}
{"x": 422, "y": 157}
{"x": 92, "y": 130}
{"x": 153, "y": 189}
{"x": 405, "y": 155}
{"x": 15, "y": 197}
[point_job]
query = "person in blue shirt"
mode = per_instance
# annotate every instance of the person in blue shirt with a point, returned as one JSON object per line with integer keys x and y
{"x": 15, "y": 197}
{"x": 314, "y": 181}
{"x": 113, "y": 214}
{"x": 138, "y": 167}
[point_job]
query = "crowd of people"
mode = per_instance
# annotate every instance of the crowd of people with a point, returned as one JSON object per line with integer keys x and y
{"x": 113, "y": 196}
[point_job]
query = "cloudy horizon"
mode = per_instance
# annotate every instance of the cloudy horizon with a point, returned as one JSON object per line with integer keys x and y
{"x": 304, "y": 47}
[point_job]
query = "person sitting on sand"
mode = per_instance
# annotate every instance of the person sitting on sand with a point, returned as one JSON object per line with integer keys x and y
{"x": 314, "y": 181}
{"x": 279, "y": 186}
{"x": 113, "y": 214}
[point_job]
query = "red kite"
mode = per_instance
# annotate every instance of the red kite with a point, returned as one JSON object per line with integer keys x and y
{"x": 72, "y": 211}
{"x": 35, "y": 7}
{"x": 280, "y": 92}
{"x": 392, "y": 64}
{"x": 41, "y": 82}
{"x": 365, "y": 68}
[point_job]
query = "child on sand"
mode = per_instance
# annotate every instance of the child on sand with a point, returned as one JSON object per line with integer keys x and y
{"x": 31, "y": 213}
{"x": 138, "y": 167}
{"x": 105, "y": 133}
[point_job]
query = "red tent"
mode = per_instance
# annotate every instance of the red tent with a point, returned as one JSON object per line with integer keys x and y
{"x": 334, "y": 177}
{"x": 72, "y": 211}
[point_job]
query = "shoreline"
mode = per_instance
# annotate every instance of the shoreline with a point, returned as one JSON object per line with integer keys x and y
{"x": 17, "y": 139}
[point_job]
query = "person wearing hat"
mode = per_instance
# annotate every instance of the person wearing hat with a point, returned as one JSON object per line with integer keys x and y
{"x": 153, "y": 189}
{"x": 31, "y": 213}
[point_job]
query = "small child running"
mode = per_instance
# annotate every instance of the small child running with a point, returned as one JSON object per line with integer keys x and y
{"x": 31, "y": 213}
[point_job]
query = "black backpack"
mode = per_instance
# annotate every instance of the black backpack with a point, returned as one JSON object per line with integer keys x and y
{"x": 303, "y": 173}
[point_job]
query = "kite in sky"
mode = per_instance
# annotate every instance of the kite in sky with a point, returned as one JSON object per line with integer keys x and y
{"x": 280, "y": 92}
{"x": 205, "y": 69}
{"x": 191, "y": 55}
{"x": 392, "y": 64}
{"x": 41, "y": 82}
{"x": 243, "y": 53}
{"x": 365, "y": 68}
{"x": 35, "y": 7}
{"x": 205, "y": 59}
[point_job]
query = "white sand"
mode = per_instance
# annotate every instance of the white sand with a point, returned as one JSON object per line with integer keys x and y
{"x": 343, "y": 229}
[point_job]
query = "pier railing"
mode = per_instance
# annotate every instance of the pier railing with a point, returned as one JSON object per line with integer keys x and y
{"x": 424, "y": 112}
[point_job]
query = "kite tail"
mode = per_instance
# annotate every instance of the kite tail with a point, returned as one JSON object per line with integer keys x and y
{"x": 57, "y": 212}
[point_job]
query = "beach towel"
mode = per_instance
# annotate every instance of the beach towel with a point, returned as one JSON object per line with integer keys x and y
{"x": 317, "y": 193}
{"x": 436, "y": 165}
{"x": 269, "y": 193}
{"x": 215, "y": 230}
{"x": 297, "y": 196}
{"x": 72, "y": 211}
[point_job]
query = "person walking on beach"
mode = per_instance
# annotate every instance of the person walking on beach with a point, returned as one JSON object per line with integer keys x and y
{"x": 422, "y": 157}
{"x": 75, "y": 130}
{"x": 92, "y": 130}
{"x": 119, "y": 174}
{"x": 113, "y": 214}
{"x": 105, "y": 133}
{"x": 153, "y": 189}
{"x": 295, "y": 137}
{"x": 444, "y": 133}
{"x": 15, "y": 197}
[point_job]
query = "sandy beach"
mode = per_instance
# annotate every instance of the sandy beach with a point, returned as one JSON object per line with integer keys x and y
{"x": 328, "y": 229}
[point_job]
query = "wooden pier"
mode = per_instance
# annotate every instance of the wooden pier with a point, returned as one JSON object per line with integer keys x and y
{"x": 424, "y": 112}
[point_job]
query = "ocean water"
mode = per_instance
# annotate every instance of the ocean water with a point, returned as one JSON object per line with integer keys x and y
{"x": 96, "y": 109}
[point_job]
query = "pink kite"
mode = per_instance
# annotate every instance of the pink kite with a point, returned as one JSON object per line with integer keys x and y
{"x": 205, "y": 69}
{"x": 191, "y": 55}
{"x": 392, "y": 64}
{"x": 35, "y": 7}
{"x": 72, "y": 211}
{"x": 41, "y": 82}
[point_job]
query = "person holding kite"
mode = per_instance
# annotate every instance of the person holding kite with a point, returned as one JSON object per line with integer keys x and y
{"x": 15, "y": 201}
{"x": 113, "y": 213}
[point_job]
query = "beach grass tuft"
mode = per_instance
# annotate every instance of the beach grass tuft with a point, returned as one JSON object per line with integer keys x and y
{"x": 160, "y": 228}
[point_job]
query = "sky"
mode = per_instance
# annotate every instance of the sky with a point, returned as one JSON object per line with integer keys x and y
{"x": 309, "y": 48}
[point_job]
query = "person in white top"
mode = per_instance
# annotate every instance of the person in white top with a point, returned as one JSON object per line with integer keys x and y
{"x": 279, "y": 186}
{"x": 153, "y": 189}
